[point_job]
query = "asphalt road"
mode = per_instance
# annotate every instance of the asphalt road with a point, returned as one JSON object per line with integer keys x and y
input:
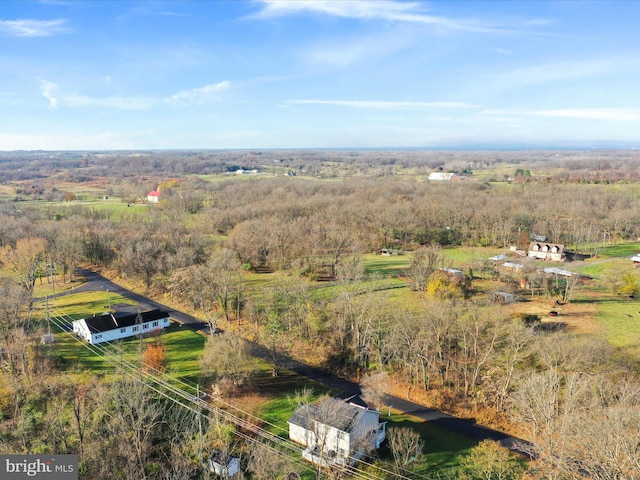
{"x": 468, "y": 428}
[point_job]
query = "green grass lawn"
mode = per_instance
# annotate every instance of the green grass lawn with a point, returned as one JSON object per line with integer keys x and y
{"x": 464, "y": 257}
{"x": 620, "y": 250}
{"x": 443, "y": 449}
{"x": 386, "y": 265}
{"x": 183, "y": 350}
{"x": 43, "y": 288}
{"x": 80, "y": 305}
{"x": 620, "y": 317}
{"x": 183, "y": 346}
{"x": 594, "y": 268}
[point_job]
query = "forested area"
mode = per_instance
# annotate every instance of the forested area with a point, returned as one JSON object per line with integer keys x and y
{"x": 574, "y": 397}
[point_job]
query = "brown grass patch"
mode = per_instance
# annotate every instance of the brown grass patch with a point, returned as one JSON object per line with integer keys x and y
{"x": 577, "y": 318}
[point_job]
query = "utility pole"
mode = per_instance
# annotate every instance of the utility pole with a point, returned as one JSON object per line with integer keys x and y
{"x": 53, "y": 275}
{"x": 200, "y": 440}
{"x": 48, "y": 318}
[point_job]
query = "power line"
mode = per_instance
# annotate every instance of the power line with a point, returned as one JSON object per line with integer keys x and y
{"x": 135, "y": 373}
{"x": 157, "y": 376}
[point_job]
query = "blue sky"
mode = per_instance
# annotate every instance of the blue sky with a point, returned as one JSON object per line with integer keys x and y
{"x": 318, "y": 74}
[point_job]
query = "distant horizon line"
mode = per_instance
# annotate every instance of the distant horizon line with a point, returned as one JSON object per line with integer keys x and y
{"x": 469, "y": 147}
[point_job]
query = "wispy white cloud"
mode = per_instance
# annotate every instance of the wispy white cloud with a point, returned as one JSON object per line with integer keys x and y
{"x": 348, "y": 51}
{"x": 171, "y": 14}
{"x": 33, "y": 28}
{"x": 566, "y": 70}
{"x": 616, "y": 114}
{"x": 47, "y": 88}
{"x": 503, "y": 51}
{"x": 61, "y": 3}
{"x": 386, "y": 10}
{"x": 619, "y": 114}
{"x": 113, "y": 102}
{"x": 195, "y": 96}
{"x": 377, "y": 104}
{"x": 199, "y": 95}
{"x": 147, "y": 10}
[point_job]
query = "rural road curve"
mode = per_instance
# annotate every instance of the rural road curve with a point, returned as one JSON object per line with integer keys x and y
{"x": 96, "y": 282}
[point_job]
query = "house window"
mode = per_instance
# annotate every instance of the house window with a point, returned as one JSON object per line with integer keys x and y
{"x": 145, "y": 326}
{"x": 155, "y": 324}
{"x": 98, "y": 336}
{"x": 123, "y": 330}
{"x": 135, "y": 328}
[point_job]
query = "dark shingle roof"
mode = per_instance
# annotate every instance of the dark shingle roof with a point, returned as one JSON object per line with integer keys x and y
{"x": 336, "y": 413}
{"x": 108, "y": 321}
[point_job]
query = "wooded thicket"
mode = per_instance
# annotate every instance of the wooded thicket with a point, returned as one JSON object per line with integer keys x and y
{"x": 198, "y": 242}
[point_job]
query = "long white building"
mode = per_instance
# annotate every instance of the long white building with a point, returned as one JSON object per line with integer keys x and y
{"x": 108, "y": 327}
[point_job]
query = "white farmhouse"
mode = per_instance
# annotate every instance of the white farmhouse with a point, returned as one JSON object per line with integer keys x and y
{"x": 546, "y": 251}
{"x": 109, "y": 327}
{"x": 336, "y": 432}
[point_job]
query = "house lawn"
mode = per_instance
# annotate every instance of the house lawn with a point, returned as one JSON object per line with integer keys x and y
{"x": 443, "y": 449}
{"x": 620, "y": 250}
{"x": 43, "y": 289}
{"x": 386, "y": 265}
{"x": 183, "y": 346}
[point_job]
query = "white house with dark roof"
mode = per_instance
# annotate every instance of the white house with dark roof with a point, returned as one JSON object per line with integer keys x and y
{"x": 108, "y": 326}
{"x": 336, "y": 432}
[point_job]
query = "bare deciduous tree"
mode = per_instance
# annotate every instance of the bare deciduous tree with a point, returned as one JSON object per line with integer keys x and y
{"x": 424, "y": 262}
{"x": 374, "y": 388}
{"x": 267, "y": 464}
{"x": 406, "y": 446}
{"x": 226, "y": 356}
